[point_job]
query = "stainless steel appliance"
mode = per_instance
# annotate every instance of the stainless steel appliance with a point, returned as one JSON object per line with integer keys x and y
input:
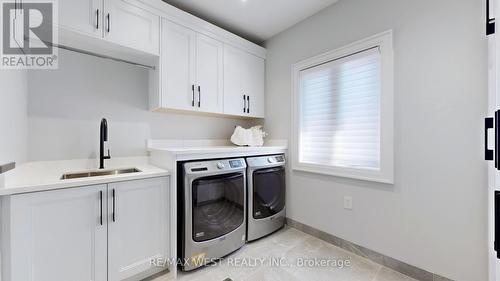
{"x": 212, "y": 213}
{"x": 266, "y": 195}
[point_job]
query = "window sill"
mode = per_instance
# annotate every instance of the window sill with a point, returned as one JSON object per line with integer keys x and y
{"x": 358, "y": 174}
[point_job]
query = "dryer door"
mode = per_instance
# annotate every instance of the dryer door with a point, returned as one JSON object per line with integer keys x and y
{"x": 268, "y": 192}
{"x": 217, "y": 205}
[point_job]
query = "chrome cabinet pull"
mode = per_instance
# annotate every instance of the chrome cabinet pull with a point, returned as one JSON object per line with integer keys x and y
{"x": 248, "y": 104}
{"x": 244, "y": 103}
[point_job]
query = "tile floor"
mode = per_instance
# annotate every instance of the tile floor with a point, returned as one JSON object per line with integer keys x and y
{"x": 289, "y": 246}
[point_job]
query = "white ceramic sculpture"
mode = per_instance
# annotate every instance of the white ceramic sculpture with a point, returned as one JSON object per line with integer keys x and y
{"x": 248, "y": 137}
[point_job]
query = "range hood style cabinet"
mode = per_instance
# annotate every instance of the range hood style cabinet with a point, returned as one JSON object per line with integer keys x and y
{"x": 198, "y": 67}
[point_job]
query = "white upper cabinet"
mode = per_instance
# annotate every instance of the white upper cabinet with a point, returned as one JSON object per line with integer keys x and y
{"x": 209, "y": 74}
{"x": 191, "y": 70}
{"x": 130, "y": 26}
{"x": 177, "y": 66}
{"x": 57, "y": 235}
{"x": 116, "y": 21}
{"x": 83, "y": 16}
{"x": 195, "y": 66}
{"x": 254, "y": 86}
{"x": 234, "y": 96}
{"x": 244, "y": 76}
{"x": 137, "y": 228}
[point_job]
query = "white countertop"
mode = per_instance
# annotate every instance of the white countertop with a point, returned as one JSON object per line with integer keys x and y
{"x": 46, "y": 175}
{"x": 219, "y": 149}
{"x": 184, "y": 150}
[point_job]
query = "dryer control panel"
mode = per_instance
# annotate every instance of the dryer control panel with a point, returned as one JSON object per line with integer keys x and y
{"x": 270, "y": 160}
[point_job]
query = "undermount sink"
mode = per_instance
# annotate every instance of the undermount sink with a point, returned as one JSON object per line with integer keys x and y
{"x": 99, "y": 173}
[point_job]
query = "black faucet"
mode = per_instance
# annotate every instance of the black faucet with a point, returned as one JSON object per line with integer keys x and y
{"x": 104, "y": 137}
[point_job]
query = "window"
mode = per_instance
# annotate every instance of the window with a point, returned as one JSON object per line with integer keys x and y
{"x": 342, "y": 111}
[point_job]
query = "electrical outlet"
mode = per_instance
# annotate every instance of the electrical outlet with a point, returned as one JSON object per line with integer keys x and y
{"x": 348, "y": 202}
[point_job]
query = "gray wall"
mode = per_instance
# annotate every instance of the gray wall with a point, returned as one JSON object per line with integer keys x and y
{"x": 65, "y": 107}
{"x": 13, "y": 116}
{"x": 435, "y": 215}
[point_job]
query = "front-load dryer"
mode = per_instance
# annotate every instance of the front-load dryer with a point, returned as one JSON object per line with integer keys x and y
{"x": 266, "y": 195}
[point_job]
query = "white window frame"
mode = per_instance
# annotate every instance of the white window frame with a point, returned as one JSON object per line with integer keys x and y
{"x": 386, "y": 172}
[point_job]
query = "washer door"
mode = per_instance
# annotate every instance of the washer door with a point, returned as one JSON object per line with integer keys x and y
{"x": 217, "y": 205}
{"x": 268, "y": 192}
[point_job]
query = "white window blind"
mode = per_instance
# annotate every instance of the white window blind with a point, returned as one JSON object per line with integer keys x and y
{"x": 339, "y": 112}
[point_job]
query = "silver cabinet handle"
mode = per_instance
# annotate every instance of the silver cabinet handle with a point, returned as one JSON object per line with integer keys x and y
{"x": 244, "y": 103}
{"x": 248, "y": 104}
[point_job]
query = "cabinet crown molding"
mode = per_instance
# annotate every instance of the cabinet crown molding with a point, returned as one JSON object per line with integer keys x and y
{"x": 188, "y": 20}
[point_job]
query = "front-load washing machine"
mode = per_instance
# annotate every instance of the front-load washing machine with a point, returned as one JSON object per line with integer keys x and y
{"x": 211, "y": 211}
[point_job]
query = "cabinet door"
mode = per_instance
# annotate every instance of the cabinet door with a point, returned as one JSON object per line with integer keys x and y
{"x": 82, "y": 16}
{"x": 254, "y": 84}
{"x": 130, "y": 26}
{"x": 234, "y": 104}
{"x": 138, "y": 227}
{"x": 177, "y": 66}
{"x": 209, "y": 74}
{"x": 58, "y": 235}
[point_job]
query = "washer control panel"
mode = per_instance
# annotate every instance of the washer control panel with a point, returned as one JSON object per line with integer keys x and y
{"x": 236, "y": 163}
{"x": 215, "y": 166}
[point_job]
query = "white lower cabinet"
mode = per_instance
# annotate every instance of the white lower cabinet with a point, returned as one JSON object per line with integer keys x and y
{"x": 55, "y": 235}
{"x": 137, "y": 227}
{"x": 70, "y": 234}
